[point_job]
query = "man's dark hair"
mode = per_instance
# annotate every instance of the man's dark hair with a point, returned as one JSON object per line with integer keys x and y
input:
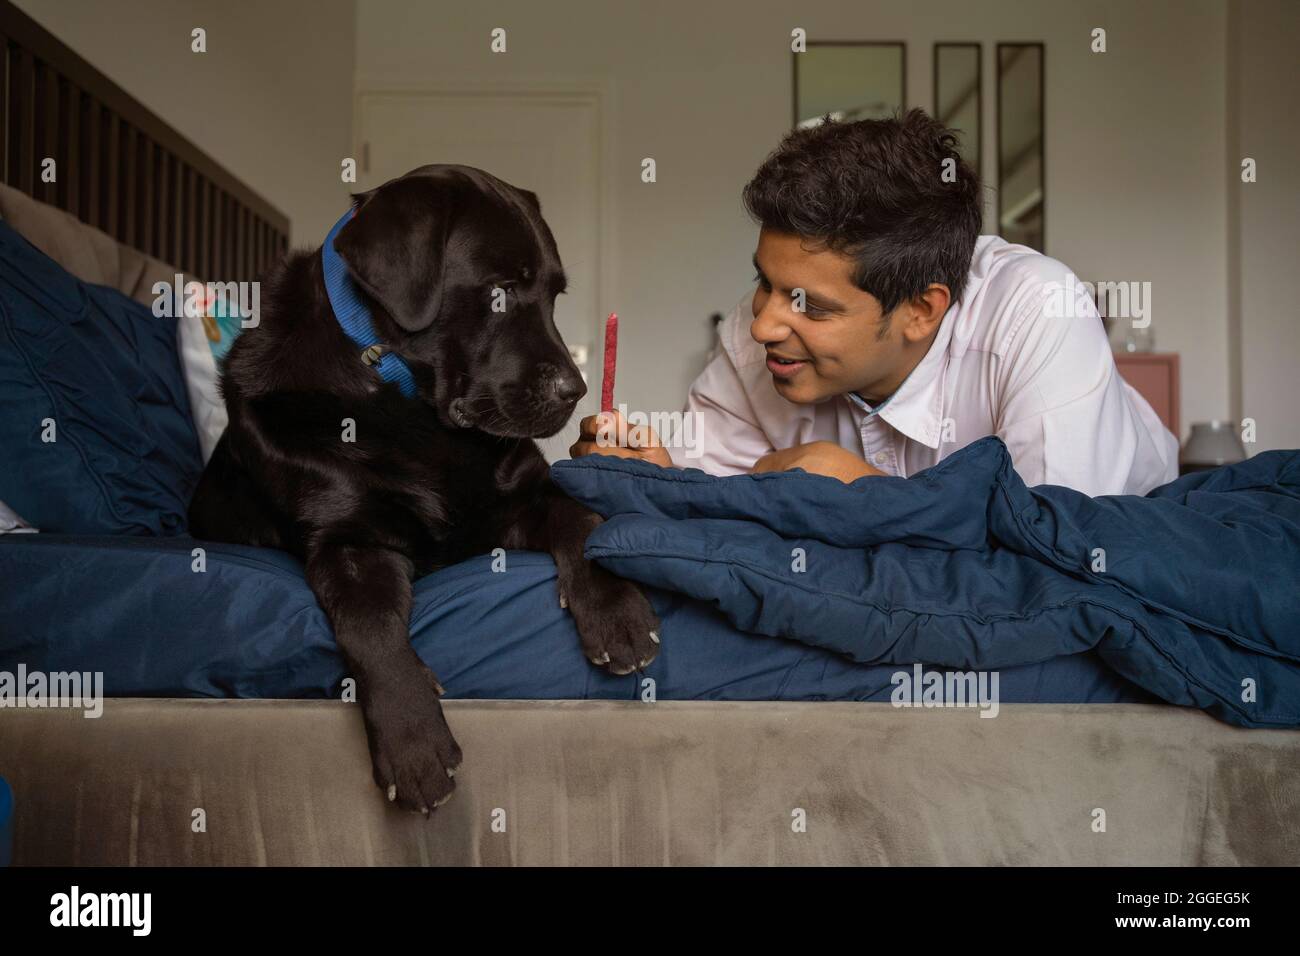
{"x": 875, "y": 190}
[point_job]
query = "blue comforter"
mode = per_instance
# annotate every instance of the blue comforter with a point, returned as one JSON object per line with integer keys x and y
{"x": 136, "y": 610}
{"x": 1191, "y": 592}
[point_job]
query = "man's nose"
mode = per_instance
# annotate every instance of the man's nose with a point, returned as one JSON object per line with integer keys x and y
{"x": 769, "y": 326}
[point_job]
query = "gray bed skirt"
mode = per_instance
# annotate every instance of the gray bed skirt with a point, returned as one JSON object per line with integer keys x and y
{"x": 200, "y": 782}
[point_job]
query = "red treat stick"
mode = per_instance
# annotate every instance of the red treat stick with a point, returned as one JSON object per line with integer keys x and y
{"x": 611, "y": 359}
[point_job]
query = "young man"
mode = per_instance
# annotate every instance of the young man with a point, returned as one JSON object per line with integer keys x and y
{"x": 885, "y": 333}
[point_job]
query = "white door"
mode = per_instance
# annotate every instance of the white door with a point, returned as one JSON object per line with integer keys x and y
{"x": 546, "y": 142}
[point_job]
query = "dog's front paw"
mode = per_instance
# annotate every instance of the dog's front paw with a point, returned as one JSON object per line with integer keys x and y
{"x": 618, "y": 627}
{"x": 411, "y": 747}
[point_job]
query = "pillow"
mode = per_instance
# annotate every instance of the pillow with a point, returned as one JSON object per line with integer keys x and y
{"x": 96, "y": 257}
{"x": 95, "y": 435}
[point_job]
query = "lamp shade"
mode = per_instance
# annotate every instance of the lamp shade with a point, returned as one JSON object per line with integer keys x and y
{"x": 1210, "y": 445}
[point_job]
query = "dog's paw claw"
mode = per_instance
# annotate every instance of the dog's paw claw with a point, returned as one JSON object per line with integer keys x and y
{"x": 617, "y": 625}
{"x": 564, "y": 601}
{"x": 411, "y": 745}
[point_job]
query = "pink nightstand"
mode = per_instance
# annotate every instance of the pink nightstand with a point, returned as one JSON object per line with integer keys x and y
{"x": 1155, "y": 376}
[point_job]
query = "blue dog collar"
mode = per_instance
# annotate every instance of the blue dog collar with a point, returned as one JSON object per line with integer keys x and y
{"x": 354, "y": 316}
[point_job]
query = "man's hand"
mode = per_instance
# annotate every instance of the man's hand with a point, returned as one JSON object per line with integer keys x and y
{"x": 608, "y": 434}
{"x": 817, "y": 458}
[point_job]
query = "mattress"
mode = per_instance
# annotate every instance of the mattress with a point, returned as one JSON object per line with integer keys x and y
{"x": 683, "y": 783}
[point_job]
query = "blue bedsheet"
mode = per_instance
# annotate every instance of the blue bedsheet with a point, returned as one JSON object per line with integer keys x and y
{"x": 1190, "y": 592}
{"x": 248, "y": 626}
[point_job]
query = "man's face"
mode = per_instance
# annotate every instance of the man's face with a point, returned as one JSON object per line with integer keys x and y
{"x": 835, "y": 345}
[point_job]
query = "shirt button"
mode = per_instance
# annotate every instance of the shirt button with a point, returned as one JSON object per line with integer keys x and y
{"x": 881, "y": 457}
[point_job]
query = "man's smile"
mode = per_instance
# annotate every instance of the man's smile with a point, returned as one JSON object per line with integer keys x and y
{"x": 783, "y": 367}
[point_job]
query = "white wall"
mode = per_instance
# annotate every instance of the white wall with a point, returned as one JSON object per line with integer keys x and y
{"x": 1135, "y": 153}
{"x": 1264, "y": 217}
{"x": 1141, "y": 150}
{"x": 271, "y": 99}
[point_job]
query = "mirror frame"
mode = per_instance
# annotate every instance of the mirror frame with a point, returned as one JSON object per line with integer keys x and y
{"x": 794, "y": 70}
{"x": 979, "y": 95}
{"x": 1042, "y": 125}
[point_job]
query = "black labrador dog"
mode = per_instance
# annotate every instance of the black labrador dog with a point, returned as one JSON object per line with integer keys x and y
{"x": 370, "y": 486}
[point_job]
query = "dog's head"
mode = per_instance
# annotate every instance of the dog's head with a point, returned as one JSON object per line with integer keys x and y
{"x": 465, "y": 272}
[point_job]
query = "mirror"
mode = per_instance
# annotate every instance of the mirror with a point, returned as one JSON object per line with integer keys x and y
{"x": 958, "y": 96}
{"x": 1020, "y": 143}
{"x": 850, "y": 81}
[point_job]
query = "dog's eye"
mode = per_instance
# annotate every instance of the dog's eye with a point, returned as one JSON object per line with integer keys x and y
{"x": 502, "y": 297}
{"x": 526, "y": 274}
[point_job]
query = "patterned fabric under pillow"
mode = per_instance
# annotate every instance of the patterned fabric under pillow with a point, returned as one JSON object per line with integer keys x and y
{"x": 10, "y": 523}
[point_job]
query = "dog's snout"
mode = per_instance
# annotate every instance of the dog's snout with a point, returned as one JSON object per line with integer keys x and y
{"x": 569, "y": 386}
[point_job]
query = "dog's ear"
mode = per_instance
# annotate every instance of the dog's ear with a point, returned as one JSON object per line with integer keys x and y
{"x": 395, "y": 246}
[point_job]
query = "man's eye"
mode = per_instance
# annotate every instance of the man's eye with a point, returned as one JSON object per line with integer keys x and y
{"x": 762, "y": 281}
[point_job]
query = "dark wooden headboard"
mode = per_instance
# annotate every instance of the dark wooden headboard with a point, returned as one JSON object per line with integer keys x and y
{"x": 119, "y": 167}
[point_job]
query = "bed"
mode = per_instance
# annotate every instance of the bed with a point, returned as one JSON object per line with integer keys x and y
{"x": 226, "y": 699}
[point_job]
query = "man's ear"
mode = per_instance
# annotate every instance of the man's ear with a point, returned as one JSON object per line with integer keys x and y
{"x": 926, "y": 311}
{"x": 395, "y": 246}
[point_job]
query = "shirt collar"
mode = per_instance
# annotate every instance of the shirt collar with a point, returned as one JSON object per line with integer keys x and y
{"x": 916, "y": 407}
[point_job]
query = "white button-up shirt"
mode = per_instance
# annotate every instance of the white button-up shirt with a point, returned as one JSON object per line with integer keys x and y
{"x": 1012, "y": 359}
